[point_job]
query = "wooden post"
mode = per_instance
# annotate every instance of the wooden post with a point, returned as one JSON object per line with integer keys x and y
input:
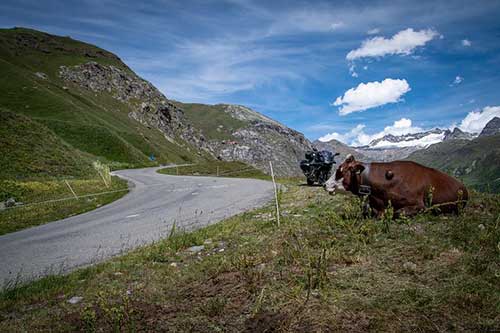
{"x": 103, "y": 179}
{"x": 275, "y": 194}
{"x": 76, "y": 197}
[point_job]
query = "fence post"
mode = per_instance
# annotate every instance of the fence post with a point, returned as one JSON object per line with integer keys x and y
{"x": 103, "y": 179}
{"x": 76, "y": 197}
{"x": 275, "y": 194}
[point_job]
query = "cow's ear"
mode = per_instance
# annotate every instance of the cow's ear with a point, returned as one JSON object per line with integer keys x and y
{"x": 358, "y": 168}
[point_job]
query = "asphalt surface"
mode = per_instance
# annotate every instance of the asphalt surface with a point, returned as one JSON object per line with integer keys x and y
{"x": 146, "y": 214}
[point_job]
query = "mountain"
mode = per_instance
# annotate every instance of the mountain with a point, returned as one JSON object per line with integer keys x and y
{"x": 97, "y": 106}
{"x": 491, "y": 128}
{"x": 58, "y": 83}
{"x": 391, "y": 147}
{"x": 457, "y": 134}
{"x": 341, "y": 148}
{"x": 237, "y": 133}
{"x": 422, "y": 139}
{"x": 476, "y": 162}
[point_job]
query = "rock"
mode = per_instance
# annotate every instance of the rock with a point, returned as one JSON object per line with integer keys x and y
{"x": 481, "y": 227}
{"x": 11, "y": 202}
{"x": 410, "y": 267}
{"x": 75, "y": 299}
{"x": 41, "y": 75}
{"x": 196, "y": 249}
{"x": 173, "y": 264}
{"x": 207, "y": 242}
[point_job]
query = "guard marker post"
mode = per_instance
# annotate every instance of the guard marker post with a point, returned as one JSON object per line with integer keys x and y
{"x": 275, "y": 194}
{"x": 76, "y": 197}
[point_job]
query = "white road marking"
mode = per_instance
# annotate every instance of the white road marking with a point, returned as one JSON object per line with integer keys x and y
{"x": 130, "y": 216}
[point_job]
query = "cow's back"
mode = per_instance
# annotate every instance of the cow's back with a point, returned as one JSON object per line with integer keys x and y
{"x": 416, "y": 180}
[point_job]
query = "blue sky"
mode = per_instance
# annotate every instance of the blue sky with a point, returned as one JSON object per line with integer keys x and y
{"x": 412, "y": 65}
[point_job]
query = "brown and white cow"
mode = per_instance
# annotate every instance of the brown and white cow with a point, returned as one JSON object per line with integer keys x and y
{"x": 409, "y": 186}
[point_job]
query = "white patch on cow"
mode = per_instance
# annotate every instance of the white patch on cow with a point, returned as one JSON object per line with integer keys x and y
{"x": 333, "y": 185}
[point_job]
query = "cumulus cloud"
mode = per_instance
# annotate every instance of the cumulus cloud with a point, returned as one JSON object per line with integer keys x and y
{"x": 404, "y": 43}
{"x": 371, "y": 94}
{"x": 358, "y": 137}
{"x": 466, "y": 42}
{"x": 475, "y": 121}
{"x": 346, "y": 137}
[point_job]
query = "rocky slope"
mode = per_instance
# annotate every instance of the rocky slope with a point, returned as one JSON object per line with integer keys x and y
{"x": 491, "y": 128}
{"x": 336, "y": 146}
{"x": 147, "y": 104}
{"x": 237, "y": 133}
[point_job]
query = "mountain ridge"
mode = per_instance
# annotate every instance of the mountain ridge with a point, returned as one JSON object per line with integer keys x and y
{"x": 93, "y": 101}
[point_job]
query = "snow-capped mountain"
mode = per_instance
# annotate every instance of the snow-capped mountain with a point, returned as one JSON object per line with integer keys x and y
{"x": 394, "y": 147}
{"x": 420, "y": 140}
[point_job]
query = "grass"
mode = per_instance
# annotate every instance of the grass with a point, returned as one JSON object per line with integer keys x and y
{"x": 50, "y": 200}
{"x": 325, "y": 269}
{"x": 94, "y": 124}
{"x": 212, "y": 120}
{"x": 225, "y": 169}
{"x": 30, "y": 149}
{"x": 476, "y": 162}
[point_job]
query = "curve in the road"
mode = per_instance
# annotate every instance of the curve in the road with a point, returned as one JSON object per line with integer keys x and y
{"x": 144, "y": 215}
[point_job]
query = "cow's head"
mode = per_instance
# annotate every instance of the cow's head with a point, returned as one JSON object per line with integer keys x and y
{"x": 347, "y": 177}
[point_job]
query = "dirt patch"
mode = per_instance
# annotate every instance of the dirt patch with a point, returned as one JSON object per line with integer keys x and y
{"x": 265, "y": 322}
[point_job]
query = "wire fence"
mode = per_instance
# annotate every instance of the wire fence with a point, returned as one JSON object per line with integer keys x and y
{"x": 36, "y": 193}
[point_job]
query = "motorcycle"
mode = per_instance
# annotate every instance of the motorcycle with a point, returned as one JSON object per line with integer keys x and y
{"x": 317, "y": 166}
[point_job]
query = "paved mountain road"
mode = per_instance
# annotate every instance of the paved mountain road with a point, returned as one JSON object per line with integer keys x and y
{"x": 155, "y": 202}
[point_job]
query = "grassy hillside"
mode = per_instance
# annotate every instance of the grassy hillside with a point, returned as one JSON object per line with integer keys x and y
{"x": 476, "y": 162}
{"x": 214, "y": 123}
{"x": 94, "y": 123}
{"x": 217, "y": 168}
{"x": 30, "y": 149}
{"x": 325, "y": 269}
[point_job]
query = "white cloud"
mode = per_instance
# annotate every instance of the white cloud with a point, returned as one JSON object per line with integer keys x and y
{"x": 337, "y": 25}
{"x": 457, "y": 81}
{"x": 466, "y": 42}
{"x": 404, "y": 42}
{"x": 475, "y": 121}
{"x": 358, "y": 137}
{"x": 346, "y": 137}
{"x": 373, "y": 31}
{"x": 371, "y": 94}
{"x": 352, "y": 70}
